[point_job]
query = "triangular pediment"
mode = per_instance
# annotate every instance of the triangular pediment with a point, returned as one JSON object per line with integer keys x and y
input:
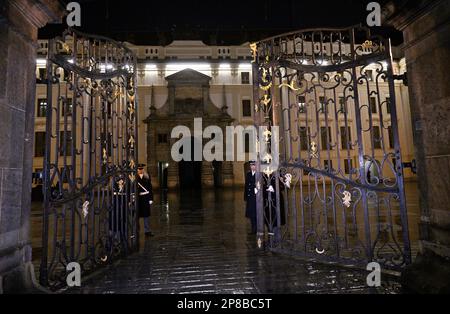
{"x": 189, "y": 75}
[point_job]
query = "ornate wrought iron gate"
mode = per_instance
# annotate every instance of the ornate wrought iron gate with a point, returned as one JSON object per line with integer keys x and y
{"x": 338, "y": 193}
{"x": 91, "y": 151}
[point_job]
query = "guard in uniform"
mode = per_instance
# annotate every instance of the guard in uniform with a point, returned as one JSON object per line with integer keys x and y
{"x": 270, "y": 202}
{"x": 250, "y": 196}
{"x": 145, "y": 198}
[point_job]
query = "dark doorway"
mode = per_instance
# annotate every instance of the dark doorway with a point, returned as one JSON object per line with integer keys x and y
{"x": 190, "y": 172}
{"x": 217, "y": 172}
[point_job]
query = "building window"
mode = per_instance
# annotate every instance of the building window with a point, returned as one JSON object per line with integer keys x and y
{"x": 42, "y": 107}
{"x": 346, "y": 138}
{"x": 247, "y": 142}
{"x": 301, "y": 104}
{"x": 328, "y": 165}
{"x": 67, "y": 107}
{"x": 42, "y": 75}
{"x": 369, "y": 75}
{"x": 342, "y": 105}
{"x": 39, "y": 144}
{"x": 325, "y": 137}
{"x": 65, "y": 143}
{"x": 246, "y": 108}
{"x": 376, "y": 137}
{"x": 373, "y": 104}
{"x": 348, "y": 165}
{"x": 162, "y": 139}
{"x": 303, "y": 138}
{"x": 391, "y": 137}
{"x": 388, "y": 105}
{"x": 245, "y": 77}
{"x": 322, "y": 104}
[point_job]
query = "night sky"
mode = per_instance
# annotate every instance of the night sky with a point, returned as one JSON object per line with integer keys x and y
{"x": 216, "y": 22}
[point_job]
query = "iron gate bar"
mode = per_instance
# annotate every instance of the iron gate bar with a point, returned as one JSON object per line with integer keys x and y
{"x": 89, "y": 204}
{"x": 302, "y": 57}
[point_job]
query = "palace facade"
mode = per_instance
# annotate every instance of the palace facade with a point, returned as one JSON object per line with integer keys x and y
{"x": 187, "y": 80}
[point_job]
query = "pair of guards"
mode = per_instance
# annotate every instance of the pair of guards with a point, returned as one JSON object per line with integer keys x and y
{"x": 270, "y": 203}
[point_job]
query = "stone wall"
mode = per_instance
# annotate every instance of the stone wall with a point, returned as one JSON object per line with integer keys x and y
{"x": 426, "y": 29}
{"x": 19, "y": 22}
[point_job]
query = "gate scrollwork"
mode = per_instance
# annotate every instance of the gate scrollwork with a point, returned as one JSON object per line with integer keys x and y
{"x": 332, "y": 95}
{"x": 91, "y": 155}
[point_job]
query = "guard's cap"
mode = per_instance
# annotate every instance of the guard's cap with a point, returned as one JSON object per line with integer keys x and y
{"x": 252, "y": 162}
{"x": 141, "y": 166}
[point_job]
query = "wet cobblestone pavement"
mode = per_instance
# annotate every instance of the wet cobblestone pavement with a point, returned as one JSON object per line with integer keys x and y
{"x": 202, "y": 246}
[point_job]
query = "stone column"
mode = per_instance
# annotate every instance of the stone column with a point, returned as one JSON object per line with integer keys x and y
{"x": 426, "y": 28}
{"x": 19, "y": 22}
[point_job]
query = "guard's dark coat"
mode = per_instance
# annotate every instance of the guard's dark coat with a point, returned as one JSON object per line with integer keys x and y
{"x": 270, "y": 204}
{"x": 143, "y": 200}
{"x": 249, "y": 196}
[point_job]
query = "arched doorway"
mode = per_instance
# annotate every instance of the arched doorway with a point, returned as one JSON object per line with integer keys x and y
{"x": 190, "y": 171}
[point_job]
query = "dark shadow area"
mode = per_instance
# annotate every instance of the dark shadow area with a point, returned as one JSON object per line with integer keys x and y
{"x": 215, "y": 23}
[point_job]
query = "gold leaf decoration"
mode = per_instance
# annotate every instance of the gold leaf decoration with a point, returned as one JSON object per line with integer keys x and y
{"x": 266, "y": 100}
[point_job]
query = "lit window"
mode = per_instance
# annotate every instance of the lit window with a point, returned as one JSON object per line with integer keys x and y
{"x": 42, "y": 107}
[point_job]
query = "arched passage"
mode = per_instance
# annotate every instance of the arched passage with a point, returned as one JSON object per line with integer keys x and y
{"x": 189, "y": 171}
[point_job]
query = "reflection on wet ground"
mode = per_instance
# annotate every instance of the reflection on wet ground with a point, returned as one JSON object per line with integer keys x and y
{"x": 201, "y": 246}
